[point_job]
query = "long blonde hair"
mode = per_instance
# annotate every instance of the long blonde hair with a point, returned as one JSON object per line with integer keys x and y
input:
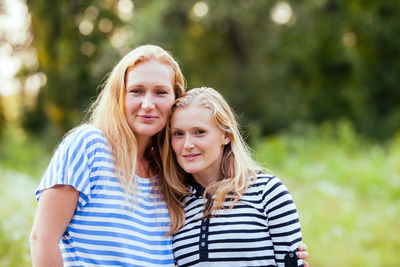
{"x": 237, "y": 163}
{"x": 108, "y": 114}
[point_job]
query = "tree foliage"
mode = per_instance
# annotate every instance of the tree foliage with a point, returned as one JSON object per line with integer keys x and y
{"x": 333, "y": 59}
{"x": 73, "y": 63}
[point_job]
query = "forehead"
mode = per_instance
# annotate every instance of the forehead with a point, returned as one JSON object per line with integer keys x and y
{"x": 150, "y": 71}
{"x": 192, "y": 116}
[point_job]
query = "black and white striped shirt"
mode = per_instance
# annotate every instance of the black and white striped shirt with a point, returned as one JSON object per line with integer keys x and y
{"x": 262, "y": 228}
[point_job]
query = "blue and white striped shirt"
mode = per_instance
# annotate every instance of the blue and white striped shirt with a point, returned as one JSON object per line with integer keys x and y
{"x": 106, "y": 228}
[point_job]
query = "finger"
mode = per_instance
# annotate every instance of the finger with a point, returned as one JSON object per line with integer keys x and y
{"x": 305, "y": 264}
{"x": 303, "y": 247}
{"x": 302, "y": 255}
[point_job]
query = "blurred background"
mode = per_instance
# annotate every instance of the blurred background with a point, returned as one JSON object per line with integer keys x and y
{"x": 315, "y": 85}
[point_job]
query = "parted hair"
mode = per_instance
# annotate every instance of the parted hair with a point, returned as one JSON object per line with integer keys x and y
{"x": 237, "y": 166}
{"x": 108, "y": 114}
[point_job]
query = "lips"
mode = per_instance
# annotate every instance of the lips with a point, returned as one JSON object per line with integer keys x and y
{"x": 147, "y": 117}
{"x": 191, "y": 156}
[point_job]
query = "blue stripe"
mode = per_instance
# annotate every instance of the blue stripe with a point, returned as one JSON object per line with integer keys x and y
{"x": 126, "y": 208}
{"x": 148, "y": 191}
{"x": 78, "y": 152}
{"x": 155, "y": 200}
{"x": 117, "y": 263}
{"x": 123, "y": 217}
{"x": 102, "y": 150}
{"x": 103, "y": 168}
{"x": 96, "y": 141}
{"x": 141, "y": 205}
{"x": 162, "y": 252}
{"x": 84, "y": 197}
{"x": 106, "y": 187}
{"x": 103, "y": 177}
{"x": 122, "y": 226}
{"x": 122, "y": 236}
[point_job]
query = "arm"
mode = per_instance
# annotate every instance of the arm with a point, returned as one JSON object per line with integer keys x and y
{"x": 283, "y": 220}
{"x": 54, "y": 212}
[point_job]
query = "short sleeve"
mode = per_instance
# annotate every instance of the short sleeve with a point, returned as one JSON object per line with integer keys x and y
{"x": 283, "y": 220}
{"x": 72, "y": 163}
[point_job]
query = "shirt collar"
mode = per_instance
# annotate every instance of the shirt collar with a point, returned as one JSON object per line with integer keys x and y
{"x": 196, "y": 188}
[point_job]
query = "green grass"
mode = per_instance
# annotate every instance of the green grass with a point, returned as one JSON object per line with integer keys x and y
{"x": 16, "y": 215}
{"x": 346, "y": 188}
{"x": 22, "y": 162}
{"x": 347, "y": 191}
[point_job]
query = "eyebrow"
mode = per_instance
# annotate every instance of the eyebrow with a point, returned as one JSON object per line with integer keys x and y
{"x": 138, "y": 85}
{"x": 191, "y": 128}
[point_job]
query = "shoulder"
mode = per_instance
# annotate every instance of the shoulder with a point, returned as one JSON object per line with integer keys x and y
{"x": 266, "y": 183}
{"x": 85, "y": 133}
{"x": 83, "y": 139}
{"x": 263, "y": 179}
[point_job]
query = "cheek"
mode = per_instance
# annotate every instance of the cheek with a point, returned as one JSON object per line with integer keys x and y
{"x": 130, "y": 103}
{"x": 165, "y": 106}
{"x": 126, "y": 103}
{"x": 217, "y": 149}
{"x": 175, "y": 145}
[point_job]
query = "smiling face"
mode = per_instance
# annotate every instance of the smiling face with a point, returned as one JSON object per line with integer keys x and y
{"x": 198, "y": 143}
{"x": 149, "y": 97}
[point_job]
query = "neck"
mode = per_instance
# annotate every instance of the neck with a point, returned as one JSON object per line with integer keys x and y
{"x": 207, "y": 179}
{"x": 143, "y": 142}
{"x": 143, "y": 168}
{"x": 142, "y": 164}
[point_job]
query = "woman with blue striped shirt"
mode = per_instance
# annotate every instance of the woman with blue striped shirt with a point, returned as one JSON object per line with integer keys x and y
{"x": 103, "y": 200}
{"x": 233, "y": 214}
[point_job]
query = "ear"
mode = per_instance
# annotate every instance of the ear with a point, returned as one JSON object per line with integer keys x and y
{"x": 227, "y": 138}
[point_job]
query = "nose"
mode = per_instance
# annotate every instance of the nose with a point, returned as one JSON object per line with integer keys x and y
{"x": 188, "y": 142}
{"x": 147, "y": 102}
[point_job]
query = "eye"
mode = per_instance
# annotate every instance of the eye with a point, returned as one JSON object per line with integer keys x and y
{"x": 177, "y": 133}
{"x": 200, "y": 132}
{"x": 161, "y": 92}
{"x": 136, "y": 91}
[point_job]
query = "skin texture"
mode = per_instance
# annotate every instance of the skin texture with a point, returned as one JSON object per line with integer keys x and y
{"x": 149, "y": 97}
{"x": 56, "y": 208}
{"x": 198, "y": 143}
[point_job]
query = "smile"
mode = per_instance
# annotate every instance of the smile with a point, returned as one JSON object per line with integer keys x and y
{"x": 191, "y": 156}
{"x": 147, "y": 117}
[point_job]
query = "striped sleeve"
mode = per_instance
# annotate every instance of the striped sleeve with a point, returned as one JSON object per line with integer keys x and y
{"x": 283, "y": 220}
{"x": 72, "y": 163}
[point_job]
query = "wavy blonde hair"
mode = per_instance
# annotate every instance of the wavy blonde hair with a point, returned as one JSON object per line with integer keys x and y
{"x": 237, "y": 164}
{"x": 108, "y": 114}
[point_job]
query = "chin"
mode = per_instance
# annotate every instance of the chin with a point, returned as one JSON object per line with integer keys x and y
{"x": 191, "y": 170}
{"x": 186, "y": 169}
{"x": 148, "y": 132}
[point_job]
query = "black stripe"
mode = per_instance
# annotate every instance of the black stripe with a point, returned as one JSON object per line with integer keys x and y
{"x": 284, "y": 224}
{"x": 282, "y": 215}
{"x": 281, "y": 205}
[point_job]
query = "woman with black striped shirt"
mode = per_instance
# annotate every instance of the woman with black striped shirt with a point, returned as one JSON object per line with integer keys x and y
{"x": 233, "y": 213}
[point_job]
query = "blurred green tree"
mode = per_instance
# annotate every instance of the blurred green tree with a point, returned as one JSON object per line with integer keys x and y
{"x": 277, "y": 62}
{"x": 331, "y": 59}
{"x": 72, "y": 43}
{"x": 2, "y": 119}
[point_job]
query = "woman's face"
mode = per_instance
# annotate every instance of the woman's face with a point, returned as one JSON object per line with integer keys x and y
{"x": 149, "y": 97}
{"x": 198, "y": 143}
